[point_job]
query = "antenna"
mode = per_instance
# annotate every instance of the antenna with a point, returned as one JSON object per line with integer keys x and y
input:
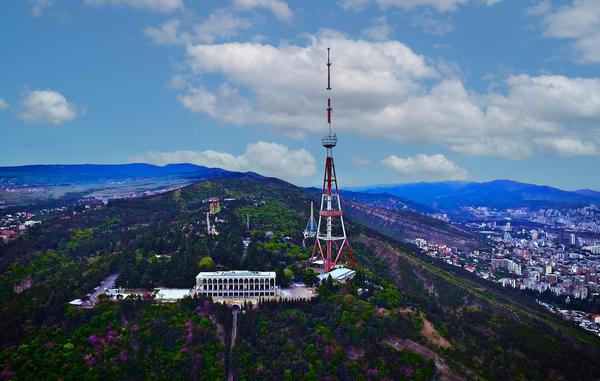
{"x": 329, "y": 109}
{"x": 328, "y": 71}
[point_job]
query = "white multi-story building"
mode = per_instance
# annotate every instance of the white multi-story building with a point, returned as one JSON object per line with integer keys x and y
{"x": 237, "y": 285}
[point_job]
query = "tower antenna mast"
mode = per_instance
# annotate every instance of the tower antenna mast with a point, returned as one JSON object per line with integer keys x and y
{"x": 332, "y": 243}
{"x": 329, "y": 109}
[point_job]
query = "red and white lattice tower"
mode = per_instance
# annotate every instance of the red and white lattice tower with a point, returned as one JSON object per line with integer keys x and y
{"x": 331, "y": 242}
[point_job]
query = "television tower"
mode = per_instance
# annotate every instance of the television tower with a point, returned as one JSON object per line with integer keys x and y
{"x": 331, "y": 244}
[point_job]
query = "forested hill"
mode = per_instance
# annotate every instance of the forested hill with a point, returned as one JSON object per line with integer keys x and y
{"x": 401, "y": 317}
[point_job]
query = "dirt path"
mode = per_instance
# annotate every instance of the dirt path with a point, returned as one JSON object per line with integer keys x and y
{"x": 444, "y": 371}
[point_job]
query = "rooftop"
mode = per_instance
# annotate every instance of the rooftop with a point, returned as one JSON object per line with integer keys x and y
{"x": 241, "y": 273}
{"x": 339, "y": 274}
{"x": 172, "y": 293}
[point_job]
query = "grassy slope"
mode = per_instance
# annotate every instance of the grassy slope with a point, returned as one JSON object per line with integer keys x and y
{"x": 498, "y": 334}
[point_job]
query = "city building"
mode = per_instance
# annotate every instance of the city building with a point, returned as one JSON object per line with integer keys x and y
{"x": 171, "y": 294}
{"x": 237, "y": 285}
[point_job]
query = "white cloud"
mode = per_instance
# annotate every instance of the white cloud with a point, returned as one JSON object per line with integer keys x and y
{"x": 226, "y": 104}
{"x": 3, "y": 104}
{"x": 570, "y": 146}
{"x": 579, "y": 22}
{"x": 220, "y": 24}
{"x": 46, "y": 106}
{"x": 430, "y": 24}
{"x": 380, "y": 30}
{"x": 354, "y": 5}
{"x": 384, "y": 89}
{"x": 279, "y": 8}
{"x": 265, "y": 158}
{"x": 438, "y": 5}
{"x": 541, "y": 8}
{"x": 432, "y": 168}
{"x": 38, "y": 7}
{"x": 163, "y": 6}
{"x": 283, "y": 82}
{"x": 166, "y": 34}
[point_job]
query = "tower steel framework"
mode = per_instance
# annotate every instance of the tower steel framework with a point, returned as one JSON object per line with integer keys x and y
{"x": 331, "y": 244}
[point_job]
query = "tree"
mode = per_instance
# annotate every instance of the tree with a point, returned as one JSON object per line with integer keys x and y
{"x": 206, "y": 263}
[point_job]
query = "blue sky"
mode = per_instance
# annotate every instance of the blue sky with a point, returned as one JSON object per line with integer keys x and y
{"x": 422, "y": 89}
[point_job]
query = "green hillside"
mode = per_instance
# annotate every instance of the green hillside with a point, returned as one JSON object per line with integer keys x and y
{"x": 411, "y": 318}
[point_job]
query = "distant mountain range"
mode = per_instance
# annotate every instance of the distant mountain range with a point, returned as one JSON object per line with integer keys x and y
{"x": 55, "y": 175}
{"x": 500, "y": 194}
{"x": 48, "y": 183}
{"x": 59, "y": 181}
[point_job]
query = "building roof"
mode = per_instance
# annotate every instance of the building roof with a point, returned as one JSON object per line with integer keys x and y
{"x": 340, "y": 273}
{"x": 76, "y": 302}
{"x": 234, "y": 273}
{"x": 172, "y": 293}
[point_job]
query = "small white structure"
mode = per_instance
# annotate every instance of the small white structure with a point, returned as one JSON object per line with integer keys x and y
{"x": 237, "y": 285}
{"x": 76, "y": 302}
{"x": 339, "y": 274}
{"x": 171, "y": 294}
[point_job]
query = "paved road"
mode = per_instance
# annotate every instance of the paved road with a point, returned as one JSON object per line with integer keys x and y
{"x": 235, "y": 311}
{"x": 245, "y": 249}
{"x": 109, "y": 282}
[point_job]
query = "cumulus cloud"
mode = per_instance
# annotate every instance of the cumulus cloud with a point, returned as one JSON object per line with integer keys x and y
{"x": 385, "y": 89}
{"x": 380, "y": 30}
{"x": 46, "y": 106}
{"x": 279, "y": 8}
{"x": 163, "y": 6}
{"x": 438, "y": 5}
{"x": 265, "y": 158}
{"x": 432, "y": 168}
{"x": 167, "y": 33}
{"x": 3, "y": 104}
{"x": 220, "y": 24}
{"x": 282, "y": 81}
{"x": 578, "y": 22}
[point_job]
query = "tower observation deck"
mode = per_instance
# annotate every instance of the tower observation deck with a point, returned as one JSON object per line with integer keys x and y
{"x": 331, "y": 243}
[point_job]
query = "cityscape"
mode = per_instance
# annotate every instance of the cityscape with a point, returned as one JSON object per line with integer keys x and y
{"x": 546, "y": 250}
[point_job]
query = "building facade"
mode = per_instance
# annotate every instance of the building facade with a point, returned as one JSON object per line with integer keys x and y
{"x": 237, "y": 285}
